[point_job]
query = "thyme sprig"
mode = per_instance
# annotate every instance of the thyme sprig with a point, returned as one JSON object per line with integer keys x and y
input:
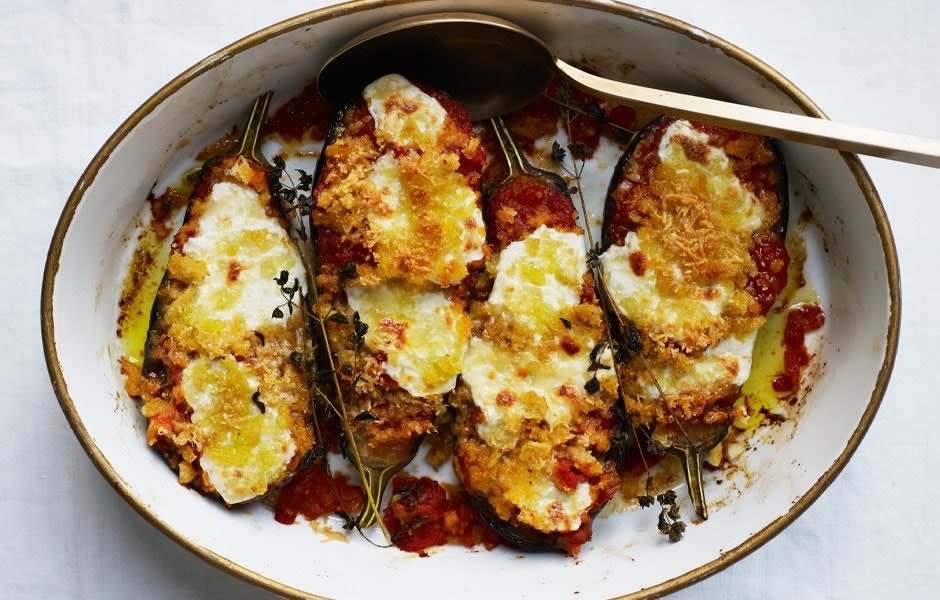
{"x": 622, "y": 339}
{"x": 563, "y": 95}
{"x": 290, "y": 292}
{"x": 670, "y": 521}
{"x": 296, "y": 204}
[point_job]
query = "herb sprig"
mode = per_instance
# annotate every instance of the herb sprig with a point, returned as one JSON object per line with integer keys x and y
{"x": 670, "y": 521}
{"x": 622, "y": 341}
{"x": 296, "y": 204}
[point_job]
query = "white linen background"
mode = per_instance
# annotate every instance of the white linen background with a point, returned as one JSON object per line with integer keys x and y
{"x": 72, "y": 70}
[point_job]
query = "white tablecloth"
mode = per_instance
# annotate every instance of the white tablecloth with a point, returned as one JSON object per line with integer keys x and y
{"x": 71, "y": 71}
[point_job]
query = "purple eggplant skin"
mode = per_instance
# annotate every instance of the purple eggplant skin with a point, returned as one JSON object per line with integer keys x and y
{"x": 654, "y": 127}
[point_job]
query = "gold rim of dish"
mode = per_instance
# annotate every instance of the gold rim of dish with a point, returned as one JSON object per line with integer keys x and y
{"x": 622, "y": 10}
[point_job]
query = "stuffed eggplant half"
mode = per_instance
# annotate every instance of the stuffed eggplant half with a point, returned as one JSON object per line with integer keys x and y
{"x": 535, "y": 428}
{"x": 694, "y": 257}
{"x": 226, "y": 405}
{"x": 399, "y": 228}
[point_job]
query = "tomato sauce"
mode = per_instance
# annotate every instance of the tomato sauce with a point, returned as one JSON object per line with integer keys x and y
{"x": 307, "y": 113}
{"x": 772, "y": 261}
{"x": 422, "y": 514}
{"x": 313, "y": 492}
{"x": 801, "y": 320}
{"x": 523, "y": 204}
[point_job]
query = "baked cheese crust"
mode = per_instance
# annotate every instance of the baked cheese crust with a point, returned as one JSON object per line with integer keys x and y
{"x": 531, "y": 440}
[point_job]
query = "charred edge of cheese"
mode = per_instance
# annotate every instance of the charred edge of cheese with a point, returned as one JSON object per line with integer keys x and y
{"x": 682, "y": 280}
{"x": 244, "y": 397}
{"x": 529, "y": 396}
{"x": 402, "y": 194}
{"x": 422, "y": 333}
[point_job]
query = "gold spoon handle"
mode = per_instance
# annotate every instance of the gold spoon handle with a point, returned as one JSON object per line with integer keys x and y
{"x": 515, "y": 161}
{"x": 761, "y": 121}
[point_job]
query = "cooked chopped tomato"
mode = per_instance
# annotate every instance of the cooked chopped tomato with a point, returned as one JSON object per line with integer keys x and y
{"x": 566, "y": 476}
{"x": 422, "y": 514}
{"x": 464, "y": 525}
{"x": 415, "y": 515}
{"x": 313, "y": 493}
{"x": 800, "y": 320}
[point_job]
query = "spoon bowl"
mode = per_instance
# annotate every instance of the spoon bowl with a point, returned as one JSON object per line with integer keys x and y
{"x": 464, "y": 54}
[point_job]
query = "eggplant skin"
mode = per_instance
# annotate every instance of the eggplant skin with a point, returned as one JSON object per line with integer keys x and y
{"x": 226, "y": 405}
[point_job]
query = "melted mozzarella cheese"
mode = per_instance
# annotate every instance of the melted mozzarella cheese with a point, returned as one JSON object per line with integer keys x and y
{"x": 725, "y": 364}
{"x": 403, "y": 113}
{"x": 536, "y": 280}
{"x": 539, "y": 276}
{"x": 742, "y": 209}
{"x": 542, "y": 498}
{"x": 395, "y": 222}
{"x": 422, "y": 333}
{"x": 510, "y": 386}
{"x": 641, "y": 297}
{"x": 242, "y": 450}
{"x": 241, "y": 250}
{"x": 425, "y": 222}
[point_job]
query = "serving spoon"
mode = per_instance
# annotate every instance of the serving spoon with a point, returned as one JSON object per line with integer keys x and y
{"x": 494, "y": 66}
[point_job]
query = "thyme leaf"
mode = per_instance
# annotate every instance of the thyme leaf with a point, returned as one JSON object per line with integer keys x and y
{"x": 256, "y": 399}
{"x": 359, "y": 331}
{"x": 347, "y": 272}
{"x": 593, "y": 385}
